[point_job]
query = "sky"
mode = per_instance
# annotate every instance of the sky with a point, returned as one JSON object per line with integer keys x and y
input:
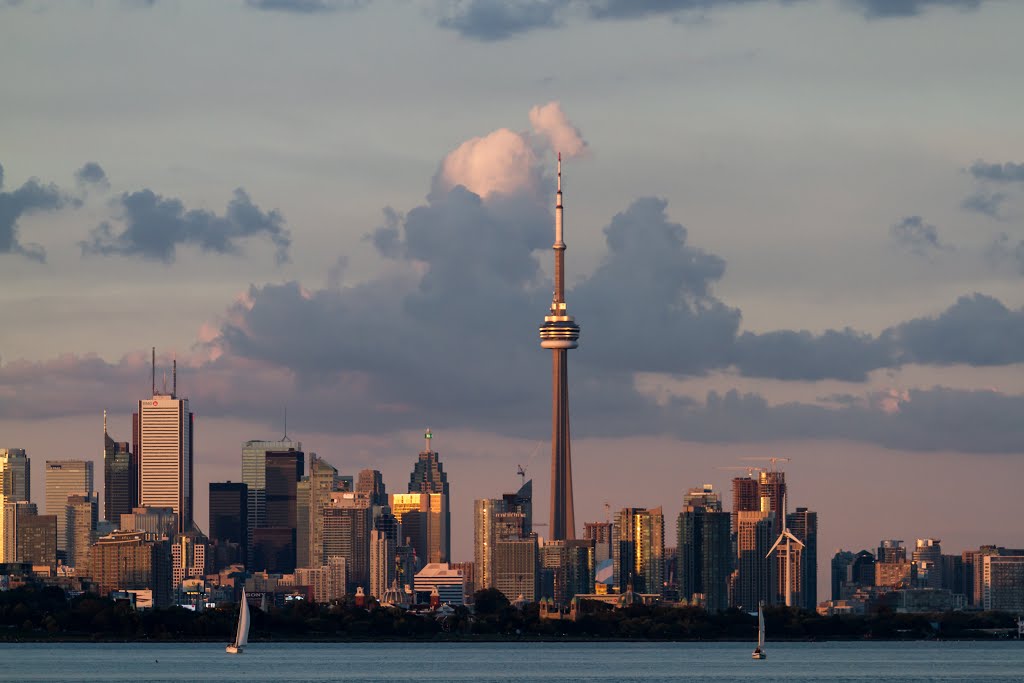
{"x": 794, "y": 230}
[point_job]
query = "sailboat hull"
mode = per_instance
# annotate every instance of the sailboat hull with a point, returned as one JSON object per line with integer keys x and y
{"x": 758, "y": 654}
{"x": 233, "y": 650}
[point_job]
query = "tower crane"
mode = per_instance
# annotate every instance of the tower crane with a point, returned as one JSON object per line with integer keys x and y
{"x": 749, "y": 469}
{"x": 772, "y": 460}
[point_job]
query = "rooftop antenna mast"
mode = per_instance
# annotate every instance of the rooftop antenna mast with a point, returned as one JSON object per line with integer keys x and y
{"x": 153, "y": 366}
{"x": 174, "y": 375}
{"x": 285, "y": 438}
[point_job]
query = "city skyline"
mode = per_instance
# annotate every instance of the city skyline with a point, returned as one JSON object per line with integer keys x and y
{"x": 845, "y": 291}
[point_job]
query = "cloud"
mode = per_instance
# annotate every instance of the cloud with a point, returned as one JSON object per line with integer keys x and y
{"x": 886, "y": 9}
{"x": 31, "y": 197}
{"x": 490, "y": 20}
{"x": 1001, "y": 173}
{"x": 977, "y": 330}
{"x": 790, "y": 355}
{"x": 935, "y": 419}
{"x": 501, "y": 162}
{"x": 154, "y": 226}
{"x": 92, "y": 174}
{"x": 563, "y": 137}
{"x": 916, "y": 236}
{"x": 305, "y": 6}
{"x": 506, "y": 162}
{"x": 649, "y": 305}
{"x": 987, "y": 203}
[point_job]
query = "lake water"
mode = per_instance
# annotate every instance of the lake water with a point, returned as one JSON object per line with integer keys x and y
{"x": 925, "y": 661}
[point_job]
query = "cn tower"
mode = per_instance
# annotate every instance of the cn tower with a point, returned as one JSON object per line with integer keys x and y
{"x": 559, "y": 333}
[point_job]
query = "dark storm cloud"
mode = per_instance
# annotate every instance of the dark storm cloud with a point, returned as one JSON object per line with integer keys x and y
{"x": 977, "y": 330}
{"x": 154, "y": 226}
{"x": 885, "y": 9}
{"x": 937, "y": 419}
{"x": 649, "y": 305}
{"x": 790, "y": 355}
{"x": 1002, "y": 173}
{"x": 986, "y": 203}
{"x": 917, "y": 236}
{"x": 31, "y": 197}
{"x": 92, "y": 174}
{"x": 489, "y": 20}
{"x": 305, "y": 6}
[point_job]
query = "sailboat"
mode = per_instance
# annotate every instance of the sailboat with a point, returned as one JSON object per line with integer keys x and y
{"x": 242, "y": 636}
{"x": 759, "y": 652}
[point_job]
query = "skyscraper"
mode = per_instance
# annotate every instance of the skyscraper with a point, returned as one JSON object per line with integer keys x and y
{"x": 928, "y": 558}
{"x": 15, "y": 487}
{"x": 66, "y": 478}
{"x": 496, "y": 520}
{"x": 638, "y": 550}
{"x": 804, "y": 525}
{"x": 371, "y": 482}
{"x": 163, "y": 427}
{"x": 15, "y": 474}
{"x": 704, "y": 549}
{"x": 254, "y": 476}
{"x": 229, "y": 514}
{"x": 80, "y": 528}
{"x": 314, "y": 494}
{"x": 347, "y": 526}
{"x": 559, "y": 332}
{"x": 120, "y": 477}
{"x": 744, "y": 498}
{"x": 755, "y": 572}
{"x": 428, "y": 478}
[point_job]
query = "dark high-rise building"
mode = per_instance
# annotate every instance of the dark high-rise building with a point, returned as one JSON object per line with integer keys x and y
{"x": 284, "y": 470}
{"x": 120, "y": 477}
{"x": 37, "y": 539}
{"x": 371, "y": 482}
{"x": 273, "y": 550}
{"x": 254, "y": 476}
{"x": 704, "y": 550}
{"x": 559, "y": 332}
{"x": 567, "y": 569}
{"x": 429, "y": 479}
{"x": 229, "y": 514}
{"x": 804, "y": 525}
{"x": 840, "y": 561}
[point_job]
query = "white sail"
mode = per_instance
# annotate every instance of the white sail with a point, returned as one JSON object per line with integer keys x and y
{"x": 760, "y": 628}
{"x": 242, "y": 637}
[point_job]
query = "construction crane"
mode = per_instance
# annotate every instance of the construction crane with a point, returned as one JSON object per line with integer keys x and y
{"x": 772, "y": 460}
{"x": 521, "y": 471}
{"x": 749, "y": 469}
{"x": 608, "y": 512}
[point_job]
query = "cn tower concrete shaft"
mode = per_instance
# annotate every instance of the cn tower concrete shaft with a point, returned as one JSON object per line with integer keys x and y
{"x": 559, "y": 332}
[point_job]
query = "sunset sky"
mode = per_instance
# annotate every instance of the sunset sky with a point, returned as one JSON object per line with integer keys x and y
{"x": 794, "y": 229}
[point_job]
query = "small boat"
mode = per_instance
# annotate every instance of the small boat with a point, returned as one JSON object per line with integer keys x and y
{"x": 759, "y": 652}
{"x": 242, "y": 636}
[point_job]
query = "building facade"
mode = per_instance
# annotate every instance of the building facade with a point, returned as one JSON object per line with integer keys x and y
{"x": 163, "y": 427}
